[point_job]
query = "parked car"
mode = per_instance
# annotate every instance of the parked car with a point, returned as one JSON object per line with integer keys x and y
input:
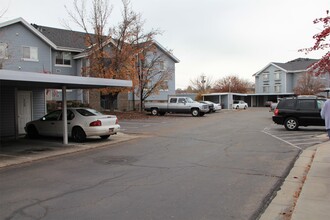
{"x": 209, "y": 104}
{"x": 212, "y": 106}
{"x": 299, "y": 111}
{"x": 273, "y": 106}
{"x": 268, "y": 103}
{"x": 177, "y": 104}
{"x": 237, "y": 104}
{"x": 82, "y": 123}
{"x": 217, "y": 106}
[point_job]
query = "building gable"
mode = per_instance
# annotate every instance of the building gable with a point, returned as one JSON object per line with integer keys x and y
{"x": 29, "y": 27}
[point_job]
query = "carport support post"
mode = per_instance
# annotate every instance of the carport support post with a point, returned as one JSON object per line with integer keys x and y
{"x": 64, "y": 118}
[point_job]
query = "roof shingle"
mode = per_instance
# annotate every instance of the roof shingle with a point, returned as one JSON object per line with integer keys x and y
{"x": 63, "y": 38}
{"x": 297, "y": 64}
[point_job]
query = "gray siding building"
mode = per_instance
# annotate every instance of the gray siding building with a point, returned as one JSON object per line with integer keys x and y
{"x": 27, "y": 49}
{"x": 274, "y": 81}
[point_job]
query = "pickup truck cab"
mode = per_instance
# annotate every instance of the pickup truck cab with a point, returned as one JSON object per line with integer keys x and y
{"x": 184, "y": 105}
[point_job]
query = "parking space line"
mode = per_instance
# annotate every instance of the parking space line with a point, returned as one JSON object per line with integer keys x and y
{"x": 266, "y": 132}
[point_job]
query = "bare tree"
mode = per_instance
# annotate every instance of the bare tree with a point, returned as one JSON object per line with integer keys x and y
{"x": 129, "y": 56}
{"x": 3, "y": 11}
{"x": 308, "y": 84}
{"x": 201, "y": 85}
{"x": 153, "y": 74}
{"x": 232, "y": 84}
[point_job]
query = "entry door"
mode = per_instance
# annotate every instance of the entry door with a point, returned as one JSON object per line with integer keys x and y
{"x": 24, "y": 109}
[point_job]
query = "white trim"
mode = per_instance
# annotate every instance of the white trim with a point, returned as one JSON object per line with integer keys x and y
{"x": 39, "y": 34}
{"x": 56, "y": 80}
{"x": 168, "y": 53}
{"x": 62, "y": 65}
{"x": 250, "y": 94}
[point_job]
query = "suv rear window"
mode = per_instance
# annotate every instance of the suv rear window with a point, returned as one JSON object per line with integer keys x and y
{"x": 287, "y": 104}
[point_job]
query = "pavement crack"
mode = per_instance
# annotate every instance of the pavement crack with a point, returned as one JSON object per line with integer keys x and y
{"x": 261, "y": 174}
{"x": 250, "y": 172}
{"x": 22, "y": 210}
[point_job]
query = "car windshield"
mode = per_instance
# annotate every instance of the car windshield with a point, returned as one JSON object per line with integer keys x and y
{"x": 88, "y": 112}
{"x": 52, "y": 116}
{"x": 189, "y": 100}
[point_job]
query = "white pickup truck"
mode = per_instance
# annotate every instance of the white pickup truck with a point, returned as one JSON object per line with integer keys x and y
{"x": 177, "y": 104}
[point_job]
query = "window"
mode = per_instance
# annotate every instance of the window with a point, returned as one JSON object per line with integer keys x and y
{"x": 182, "y": 100}
{"x": 161, "y": 65}
{"x": 85, "y": 112}
{"x": 320, "y": 104}
{"x": 265, "y": 89}
{"x": 173, "y": 100}
{"x": 277, "y": 88}
{"x": 63, "y": 58}
{"x": 3, "y": 51}
{"x": 70, "y": 115}
{"x": 277, "y": 76}
{"x": 30, "y": 53}
{"x": 265, "y": 76}
{"x": 306, "y": 104}
{"x": 164, "y": 86}
{"x": 53, "y": 116}
{"x": 287, "y": 104}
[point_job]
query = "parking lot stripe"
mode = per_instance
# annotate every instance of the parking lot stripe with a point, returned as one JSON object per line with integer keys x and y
{"x": 266, "y": 132}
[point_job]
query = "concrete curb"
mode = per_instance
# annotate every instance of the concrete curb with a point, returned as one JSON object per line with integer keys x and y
{"x": 287, "y": 203}
{"x": 314, "y": 199}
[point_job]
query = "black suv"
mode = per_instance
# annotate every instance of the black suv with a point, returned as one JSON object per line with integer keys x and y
{"x": 299, "y": 111}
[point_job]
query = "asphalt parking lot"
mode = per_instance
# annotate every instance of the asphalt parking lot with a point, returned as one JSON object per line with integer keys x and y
{"x": 227, "y": 160}
{"x": 26, "y": 150}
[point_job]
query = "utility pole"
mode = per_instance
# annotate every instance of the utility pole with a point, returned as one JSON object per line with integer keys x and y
{"x": 203, "y": 81}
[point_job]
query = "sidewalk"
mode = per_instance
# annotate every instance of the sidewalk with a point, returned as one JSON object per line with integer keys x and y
{"x": 305, "y": 193}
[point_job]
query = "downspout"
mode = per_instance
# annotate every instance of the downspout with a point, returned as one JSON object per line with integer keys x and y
{"x": 285, "y": 85}
{"x": 51, "y": 72}
{"x": 16, "y": 113}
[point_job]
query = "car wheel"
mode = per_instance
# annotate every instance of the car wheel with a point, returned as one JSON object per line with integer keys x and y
{"x": 291, "y": 124}
{"x": 103, "y": 137}
{"x": 195, "y": 112}
{"x": 78, "y": 134}
{"x": 32, "y": 131}
{"x": 245, "y": 107}
{"x": 237, "y": 107}
{"x": 154, "y": 111}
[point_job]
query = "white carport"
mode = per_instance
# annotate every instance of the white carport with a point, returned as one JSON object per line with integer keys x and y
{"x": 55, "y": 81}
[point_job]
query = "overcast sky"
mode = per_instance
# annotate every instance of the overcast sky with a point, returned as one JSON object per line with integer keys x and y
{"x": 216, "y": 38}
